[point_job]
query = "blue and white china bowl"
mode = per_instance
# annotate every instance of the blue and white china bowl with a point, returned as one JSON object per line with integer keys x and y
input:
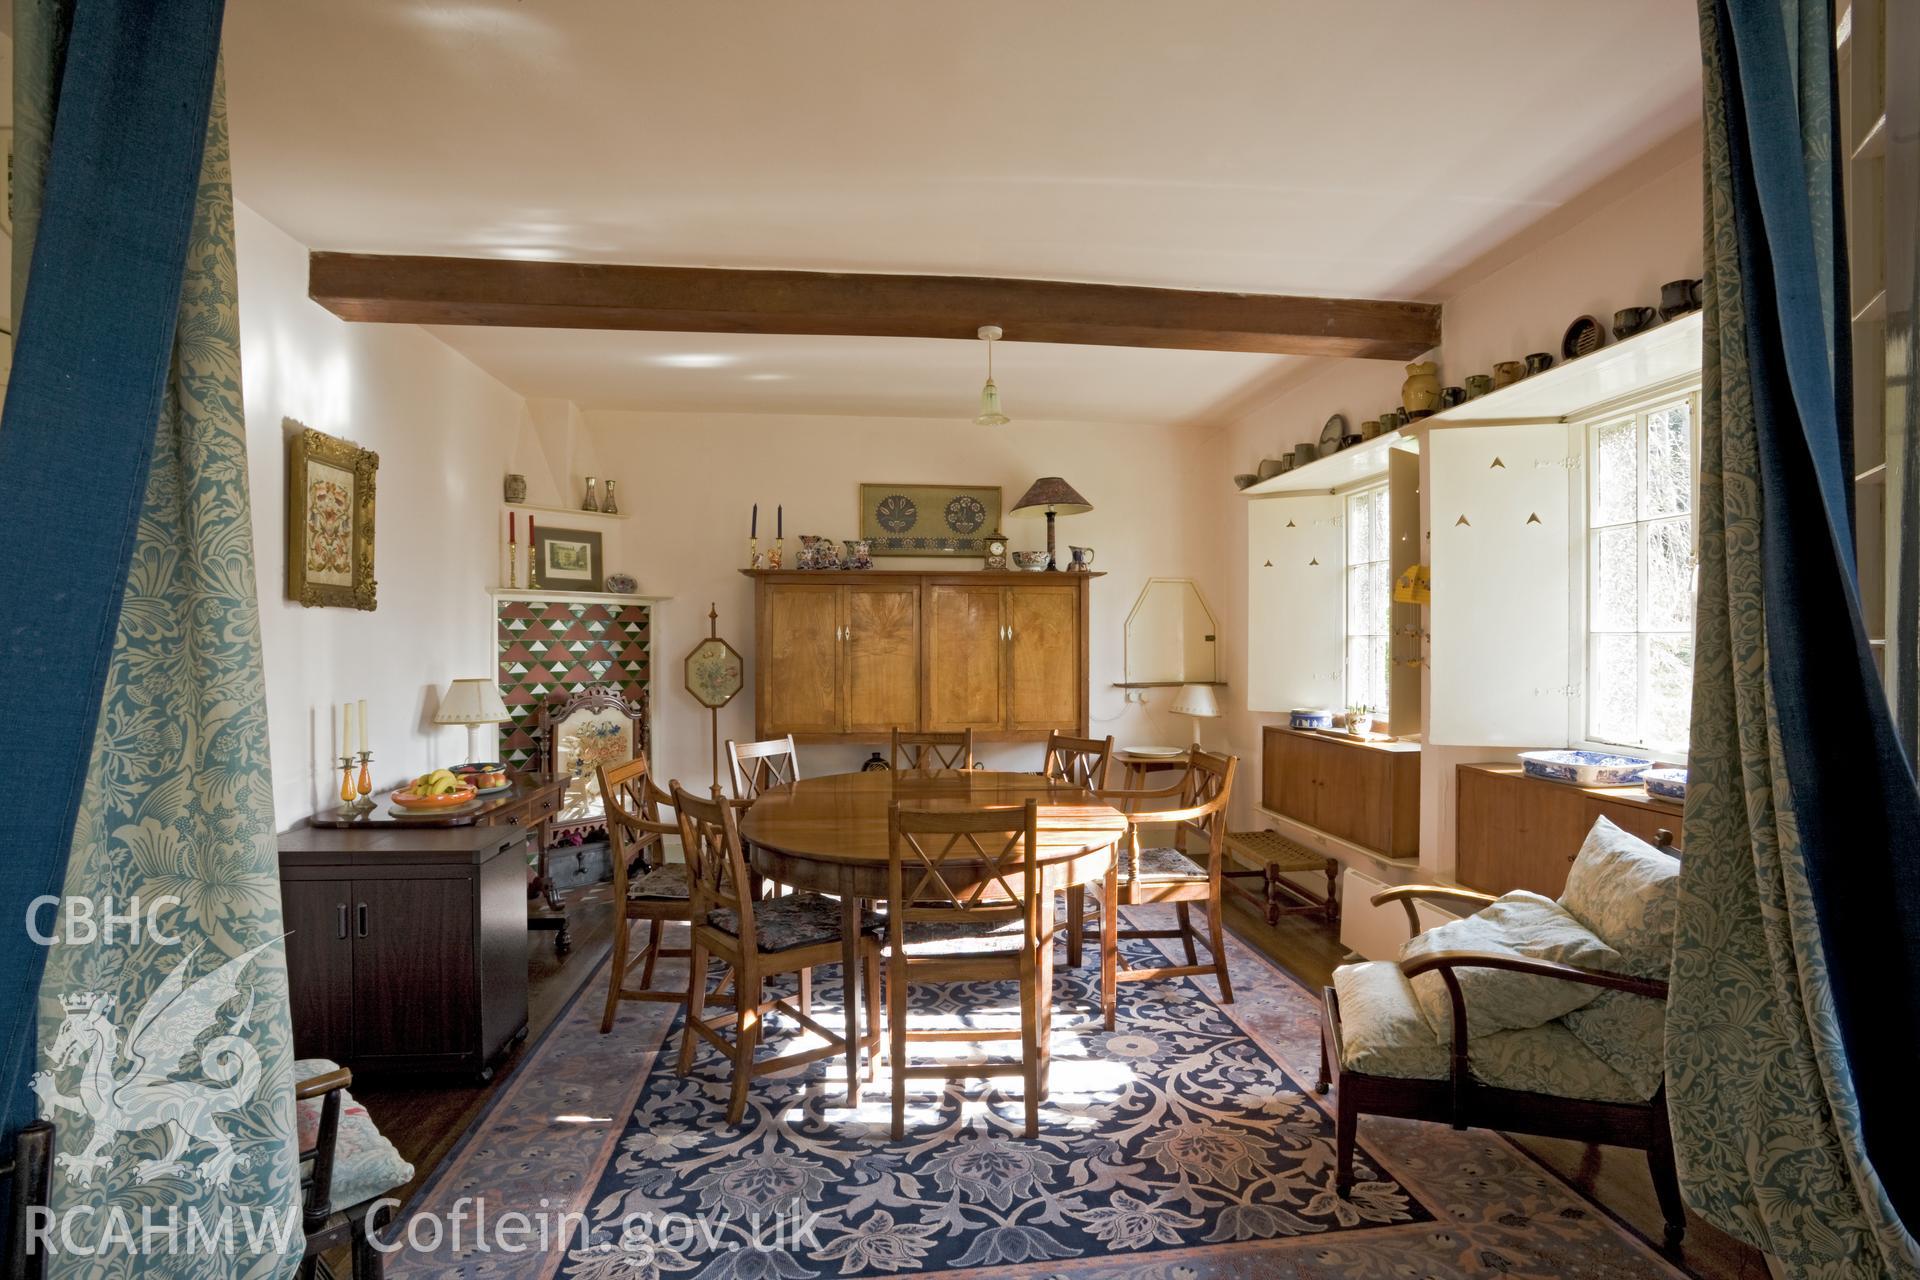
{"x": 1668, "y": 784}
{"x": 1584, "y": 768}
{"x": 1310, "y": 718}
{"x": 1030, "y": 560}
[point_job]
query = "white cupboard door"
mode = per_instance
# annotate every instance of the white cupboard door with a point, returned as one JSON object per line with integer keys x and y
{"x": 1500, "y": 511}
{"x": 1296, "y": 602}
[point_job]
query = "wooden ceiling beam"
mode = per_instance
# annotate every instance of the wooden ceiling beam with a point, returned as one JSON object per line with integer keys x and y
{"x": 580, "y": 295}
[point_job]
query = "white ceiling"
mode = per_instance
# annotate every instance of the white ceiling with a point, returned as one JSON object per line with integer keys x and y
{"x": 1363, "y": 149}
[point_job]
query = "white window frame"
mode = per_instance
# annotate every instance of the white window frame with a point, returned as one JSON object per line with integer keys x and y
{"x": 1348, "y": 564}
{"x": 1580, "y": 549}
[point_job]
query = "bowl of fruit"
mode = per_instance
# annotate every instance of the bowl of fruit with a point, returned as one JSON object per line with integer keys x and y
{"x": 440, "y": 789}
{"x": 484, "y": 777}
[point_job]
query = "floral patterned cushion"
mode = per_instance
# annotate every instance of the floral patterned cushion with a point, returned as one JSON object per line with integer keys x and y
{"x": 1548, "y": 1059}
{"x": 1625, "y": 890}
{"x": 1161, "y": 864}
{"x": 796, "y": 920}
{"x": 365, "y": 1164}
{"x": 1522, "y": 924}
{"x": 668, "y": 883}
{"x": 1382, "y": 1031}
{"x": 964, "y": 938}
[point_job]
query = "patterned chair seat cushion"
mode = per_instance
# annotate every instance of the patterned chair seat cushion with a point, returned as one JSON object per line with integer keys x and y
{"x": 795, "y": 920}
{"x": 1384, "y": 1033}
{"x": 1626, "y": 891}
{"x": 666, "y": 883}
{"x": 1519, "y": 924}
{"x": 365, "y": 1164}
{"x": 1160, "y": 864}
{"x": 925, "y": 938}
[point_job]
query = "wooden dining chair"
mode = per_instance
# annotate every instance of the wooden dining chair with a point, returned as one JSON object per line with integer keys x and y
{"x": 931, "y": 750}
{"x": 965, "y": 906}
{"x": 759, "y": 940}
{"x": 1082, "y": 762}
{"x": 646, "y": 887}
{"x": 1179, "y": 875}
{"x": 753, "y": 767}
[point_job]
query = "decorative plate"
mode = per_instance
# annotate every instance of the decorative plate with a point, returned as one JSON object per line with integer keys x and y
{"x": 1331, "y": 433}
{"x": 621, "y": 584}
{"x": 1584, "y": 768}
{"x": 1583, "y": 337}
{"x": 1155, "y": 753}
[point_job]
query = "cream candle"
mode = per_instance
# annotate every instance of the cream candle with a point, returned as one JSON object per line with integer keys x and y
{"x": 346, "y": 728}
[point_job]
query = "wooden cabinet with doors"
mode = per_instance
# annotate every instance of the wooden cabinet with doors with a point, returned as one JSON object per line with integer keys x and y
{"x": 1516, "y": 832}
{"x": 1366, "y": 793}
{"x": 852, "y": 655}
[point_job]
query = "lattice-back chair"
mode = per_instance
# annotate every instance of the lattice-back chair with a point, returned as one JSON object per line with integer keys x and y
{"x": 1081, "y": 762}
{"x": 1179, "y": 875}
{"x": 753, "y": 767}
{"x": 757, "y": 941}
{"x": 966, "y": 906}
{"x": 645, "y": 885}
{"x": 916, "y": 750}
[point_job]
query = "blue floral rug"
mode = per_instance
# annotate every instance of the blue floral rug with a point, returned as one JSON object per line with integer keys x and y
{"x": 1185, "y": 1144}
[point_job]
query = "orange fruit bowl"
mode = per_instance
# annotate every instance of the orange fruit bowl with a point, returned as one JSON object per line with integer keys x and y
{"x": 405, "y": 799}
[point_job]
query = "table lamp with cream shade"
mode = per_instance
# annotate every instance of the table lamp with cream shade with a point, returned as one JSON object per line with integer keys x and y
{"x": 472, "y": 702}
{"x": 1055, "y": 497}
{"x": 1196, "y": 700}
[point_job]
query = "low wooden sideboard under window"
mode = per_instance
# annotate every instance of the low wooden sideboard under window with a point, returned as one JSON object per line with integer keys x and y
{"x": 850, "y": 655}
{"x": 1516, "y": 832}
{"x": 1366, "y": 793}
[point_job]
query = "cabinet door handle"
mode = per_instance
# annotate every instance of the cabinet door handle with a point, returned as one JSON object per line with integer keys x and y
{"x": 342, "y": 922}
{"x": 360, "y": 915}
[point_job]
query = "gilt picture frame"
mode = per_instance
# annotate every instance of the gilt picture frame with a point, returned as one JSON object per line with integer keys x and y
{"x": 929, "y": 519}
{"x": 330, "y": 521}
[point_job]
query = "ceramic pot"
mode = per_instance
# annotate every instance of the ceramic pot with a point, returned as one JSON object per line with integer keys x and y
{"x": 1677, "y": 297}
{"x": 1478, "y": 384}
{"x": 1508, "y": 372}
{"x": 1369, "y": 429}
{"x": 1305, "y": 453}
{"x": 1451, "y": 396}
{"x": 859, "y": 554}
{"x": 1420, "y": 393}
{"x": 1245, "y": 479}
{"x": 1392, "y": 420}
{"x": 1268, "y": 468}
{"x": 1631, "y": 320}
{"x": 1538, "y": 362}
{"x": 515, "y": 488}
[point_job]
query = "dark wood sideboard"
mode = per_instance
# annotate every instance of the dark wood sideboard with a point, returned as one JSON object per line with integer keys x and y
{"x": 407, "y": 946}
{"x": 1366, "y": 793}
{"x": 1516, "y": 832}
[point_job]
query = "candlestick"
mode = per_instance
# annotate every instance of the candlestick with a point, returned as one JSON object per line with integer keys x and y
{"x": 753, "y": 553}
{"x": 513, "y": 564}
{"x": 362, "y": 713}
{"x": 533, "y": 554}
{"x": 347, "y": 791}
{"x": 365, "y": 786}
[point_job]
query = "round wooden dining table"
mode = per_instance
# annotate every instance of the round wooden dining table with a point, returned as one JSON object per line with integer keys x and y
{"x": 829, "y": 835}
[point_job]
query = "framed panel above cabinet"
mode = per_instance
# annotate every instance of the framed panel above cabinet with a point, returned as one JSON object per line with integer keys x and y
{"x": 848, "y": 656}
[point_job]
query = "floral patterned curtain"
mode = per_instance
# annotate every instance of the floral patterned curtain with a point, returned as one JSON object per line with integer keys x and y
{"x": 166, "y": 1050}
{"x": 1791, "y": 1023}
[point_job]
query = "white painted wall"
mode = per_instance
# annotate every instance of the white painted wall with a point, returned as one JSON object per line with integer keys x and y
{"x": 1616, "y": 257}
{"x": 445, "y": 432}
{"x": 690, "y": 479}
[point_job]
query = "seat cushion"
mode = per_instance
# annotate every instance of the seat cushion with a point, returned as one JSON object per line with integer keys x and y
{"x": 955, "y": 939}
{"x": 1161, "y": 864}
{"x": 365, "y": 1164}
{"x": 1519, "y": 924}
{"x": 1382, "y": 1031}
{"x": 794, "y": 920}
{"x": 1549, "y": 1059}
{"x": 666, "y": 883}
{"x": 1627, "y": 892}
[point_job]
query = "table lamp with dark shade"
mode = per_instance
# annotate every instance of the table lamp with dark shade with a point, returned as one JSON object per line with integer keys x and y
{"x": 1054, "y": 496}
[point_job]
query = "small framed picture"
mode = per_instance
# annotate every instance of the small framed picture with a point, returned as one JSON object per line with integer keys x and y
{"x": 568, "y": 559}
{"x": 329, "y": 520}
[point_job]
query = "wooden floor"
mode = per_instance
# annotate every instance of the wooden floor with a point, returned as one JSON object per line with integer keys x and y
{"x": 425, "y": 1118}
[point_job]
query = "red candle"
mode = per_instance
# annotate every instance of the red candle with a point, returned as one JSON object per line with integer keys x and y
{"x": 513, "y": 518}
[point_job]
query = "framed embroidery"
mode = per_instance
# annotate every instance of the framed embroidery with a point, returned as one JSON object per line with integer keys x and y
{"x": 330, "y": 491}
{"x": 929, "y": 519}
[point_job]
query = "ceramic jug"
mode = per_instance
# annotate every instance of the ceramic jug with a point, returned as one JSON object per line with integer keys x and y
{"x": 1420, "y": 393}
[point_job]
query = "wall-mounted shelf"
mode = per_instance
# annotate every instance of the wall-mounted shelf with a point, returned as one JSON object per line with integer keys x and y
{"x": 570, "y": 512}
{"x": 1667, "y": 353}
{"x": 1343, "y": 470}
{"x": 1166, "y": 684}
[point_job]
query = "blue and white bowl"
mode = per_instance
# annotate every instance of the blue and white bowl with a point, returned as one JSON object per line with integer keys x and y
{"x": 1668, "y": 784}
{"x": 1584, "y": 768}
{"x": 1310, "y": 718}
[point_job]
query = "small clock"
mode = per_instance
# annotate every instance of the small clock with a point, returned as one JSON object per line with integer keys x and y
{"x": 996, "y": 552}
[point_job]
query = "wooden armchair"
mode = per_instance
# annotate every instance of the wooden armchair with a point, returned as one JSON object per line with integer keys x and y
{"x": 343, "y": 1158}
{"x": 645, "y": 886}
{"x": 1476, "y": 1082}
{"x": 27, "y": 1176}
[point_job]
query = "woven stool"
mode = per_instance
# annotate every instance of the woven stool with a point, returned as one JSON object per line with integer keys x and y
{"x": 1274, "y": 855}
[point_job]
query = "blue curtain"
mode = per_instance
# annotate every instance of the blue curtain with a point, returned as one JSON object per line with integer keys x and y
{"x": 1794, "y": 1025}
